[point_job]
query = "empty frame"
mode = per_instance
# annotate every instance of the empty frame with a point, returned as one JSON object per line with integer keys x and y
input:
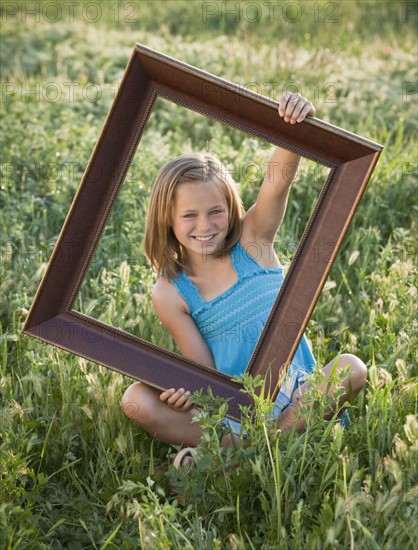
{"x": 148, "y": 76}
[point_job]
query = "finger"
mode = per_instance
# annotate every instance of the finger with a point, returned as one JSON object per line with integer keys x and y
{"x": 186, "y": 406}
{"x": 167, "y": 394}
{"x": 307, "y": 110}
{"x": 283, "y": 103}
{"x": 291, "y": 106}
{"x": 182, "y": 400}
{"x": 176, "y": 395}
{"x": 299, "y": 106}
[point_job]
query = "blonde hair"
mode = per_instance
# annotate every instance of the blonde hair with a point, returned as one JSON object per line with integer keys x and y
{"x": 162, "y": 249}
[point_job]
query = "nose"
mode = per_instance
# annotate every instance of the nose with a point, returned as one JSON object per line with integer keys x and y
{"x": 203, "y": 223}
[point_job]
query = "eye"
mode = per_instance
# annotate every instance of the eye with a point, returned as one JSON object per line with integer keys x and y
{"x": 189, "y": 215}
{"x": 216, "y": 211}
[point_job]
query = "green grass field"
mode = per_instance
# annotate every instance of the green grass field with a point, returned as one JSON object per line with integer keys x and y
{"x": 75, "y": 473}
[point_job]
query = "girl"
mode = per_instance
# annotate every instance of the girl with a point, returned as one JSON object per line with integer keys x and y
{"x": 215, "y": 287}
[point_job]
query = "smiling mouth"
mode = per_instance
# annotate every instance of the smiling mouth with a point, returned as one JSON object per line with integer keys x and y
{"x": 203, "y": 239}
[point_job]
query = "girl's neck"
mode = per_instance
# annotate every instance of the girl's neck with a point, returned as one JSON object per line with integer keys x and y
{"x": 213, "y": 276}
{"x": 203, "y": 264}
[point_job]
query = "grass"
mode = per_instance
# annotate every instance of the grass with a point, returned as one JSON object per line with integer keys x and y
{"x": 75, "y": 473}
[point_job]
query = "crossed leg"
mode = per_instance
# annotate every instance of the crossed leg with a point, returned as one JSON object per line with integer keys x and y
{"x": 352, "y": 384}
{"x": 142, "y": 404}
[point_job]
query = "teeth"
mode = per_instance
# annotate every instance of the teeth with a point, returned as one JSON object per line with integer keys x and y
{"x": 204, "y": 238}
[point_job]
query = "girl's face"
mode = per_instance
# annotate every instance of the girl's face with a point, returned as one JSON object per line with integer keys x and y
{"x": 200, "y": 217}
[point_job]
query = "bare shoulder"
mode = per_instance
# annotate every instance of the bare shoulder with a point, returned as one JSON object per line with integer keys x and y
{"x": 174, "y": 314}
{"x": 165, "y": 297}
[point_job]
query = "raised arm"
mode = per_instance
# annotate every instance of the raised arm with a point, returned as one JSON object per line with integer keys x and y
{"x": 264, "y": 218}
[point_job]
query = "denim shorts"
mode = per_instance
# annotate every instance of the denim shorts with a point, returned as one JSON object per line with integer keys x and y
{"x": 283, "y": 400}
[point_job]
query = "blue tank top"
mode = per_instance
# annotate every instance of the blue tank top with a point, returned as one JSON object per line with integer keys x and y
{"x": 231, "y": 323}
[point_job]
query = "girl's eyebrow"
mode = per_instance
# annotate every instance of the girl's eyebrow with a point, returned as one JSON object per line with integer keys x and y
{"x": 210, "y": 208}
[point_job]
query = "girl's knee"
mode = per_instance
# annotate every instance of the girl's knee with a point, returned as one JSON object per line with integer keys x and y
{"x": 137, "y": 403}
{"x": 130, "y": 399}
{"x": 357, "y": 370}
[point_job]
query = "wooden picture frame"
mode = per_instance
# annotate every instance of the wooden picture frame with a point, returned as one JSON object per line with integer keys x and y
{"x": 149, "y": 75}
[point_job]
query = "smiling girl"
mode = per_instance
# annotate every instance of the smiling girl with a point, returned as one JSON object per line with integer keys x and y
{"x": 212, "y": 289}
